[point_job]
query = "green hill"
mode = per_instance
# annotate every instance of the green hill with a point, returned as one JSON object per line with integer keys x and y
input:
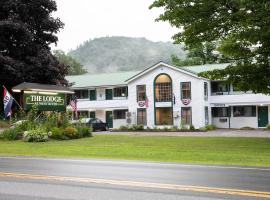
{"x": 110, "y": 54}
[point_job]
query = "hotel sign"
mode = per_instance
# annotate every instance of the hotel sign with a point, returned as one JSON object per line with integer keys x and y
{"x": 45, "y": 102}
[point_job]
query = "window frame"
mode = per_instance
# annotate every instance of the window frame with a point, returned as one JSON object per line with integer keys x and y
{"x": 138, "y": 96}
{"x": 116, "y": 114}
{"x": 190, "y": 117}
{"x": 181, "y": 90}
{"x": 90, "y": 95}
{"x": 80, "y": 94}
{"x": 218, "y": 114}
{"x": 205, "y": 90}
{"x": 123, "y": 90}
{"x": 143, "y": 110}
{"x": 242, "y": 109}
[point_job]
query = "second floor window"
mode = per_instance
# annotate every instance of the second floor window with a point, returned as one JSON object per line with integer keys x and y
{"x": 120, "y": 92}
{"x": 81, "y": 94}
{"x": 141, "y": 92}
{"x": 205, "y": 87}
{"x": 185, "y": 90}
{"x": 163, "y": 88}
{"x": 219, "y": 87}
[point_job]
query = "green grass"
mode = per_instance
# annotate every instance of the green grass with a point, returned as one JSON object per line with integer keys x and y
{"x": 208, "y": 150}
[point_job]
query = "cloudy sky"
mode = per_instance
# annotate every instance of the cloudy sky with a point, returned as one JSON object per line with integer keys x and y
{"x": 89, "y": 19}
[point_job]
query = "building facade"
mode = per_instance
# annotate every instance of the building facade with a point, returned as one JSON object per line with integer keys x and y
{"x": 165, "y": 95}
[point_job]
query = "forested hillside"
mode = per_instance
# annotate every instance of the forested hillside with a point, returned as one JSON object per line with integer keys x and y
{"x": 110, "y": 54}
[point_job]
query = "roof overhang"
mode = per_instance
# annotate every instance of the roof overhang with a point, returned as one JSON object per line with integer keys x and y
{"x": 185, "y": 71}
{"x": 41, "y": 88}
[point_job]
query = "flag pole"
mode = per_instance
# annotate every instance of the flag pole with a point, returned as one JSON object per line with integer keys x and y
{"x": 14, "y": 99}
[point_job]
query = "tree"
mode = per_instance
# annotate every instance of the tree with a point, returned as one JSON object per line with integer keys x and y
{"x": 204, "y": 54}
{"x": 242, "y": 29}
{"x": 26, "y": 31}
{"x": 74, "y": 66}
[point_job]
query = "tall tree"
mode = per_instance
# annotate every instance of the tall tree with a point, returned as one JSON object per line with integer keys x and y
{"x": 200, "y": 55}
{"x": 74, "y": 66}
{"x": 242, "y": 28}
{"x": 26, "y": 31}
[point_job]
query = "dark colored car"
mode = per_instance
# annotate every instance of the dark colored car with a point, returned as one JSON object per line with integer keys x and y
{"x": 96, "y": 124}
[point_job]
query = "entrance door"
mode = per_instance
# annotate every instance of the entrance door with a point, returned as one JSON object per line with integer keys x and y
{"x": 109, "y": 119}
{"x": 262, "y": 116}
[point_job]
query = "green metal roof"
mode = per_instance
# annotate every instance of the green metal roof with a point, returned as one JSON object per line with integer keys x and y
{"x": 119, "y": 78}
{"x": 105, "y": 79}
{"x": 204, "y": 68}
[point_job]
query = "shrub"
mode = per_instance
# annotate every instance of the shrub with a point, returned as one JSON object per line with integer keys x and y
{"x": 11, "y": 134}
{"x": 191, "y": 127}
{"x": 84, "y": 131}
{"x": 210, "y": 127}
{"x": 268, "y": 126}
{"x": 37, "y": 135}
{"x": 247, "y": 128}
{"x": 57, "y": 133}
{"x": 174, "y": 128}
{"x": 140, "y": 127}
{"x": 123, "y": 128}
{"x": 70, "y": 132}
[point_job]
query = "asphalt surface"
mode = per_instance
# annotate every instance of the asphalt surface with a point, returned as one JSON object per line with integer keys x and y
{"x": 45, "y": 178}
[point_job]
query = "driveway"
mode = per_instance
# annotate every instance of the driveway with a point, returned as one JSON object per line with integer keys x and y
{"x": 263, "y": 133}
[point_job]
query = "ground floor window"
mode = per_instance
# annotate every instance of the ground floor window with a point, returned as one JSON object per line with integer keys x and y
{"x": 83, "y": 114}
{"x": 141, "y": 116}
{"x": 206, "y": 115}
{"x": 186, "y": 116}
{"x": 92, "y": 114}
{"x": 244, "y": 111}
{"x": 164, "y": 116}
{"x": 220, "y": 112}
{"x": 119, "y": 114}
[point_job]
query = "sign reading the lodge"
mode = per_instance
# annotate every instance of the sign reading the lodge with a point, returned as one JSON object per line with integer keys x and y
{"x": 45, "y": 102}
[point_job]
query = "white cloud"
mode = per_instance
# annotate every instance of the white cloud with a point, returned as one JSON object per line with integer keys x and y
{"x": 88, "y": 19}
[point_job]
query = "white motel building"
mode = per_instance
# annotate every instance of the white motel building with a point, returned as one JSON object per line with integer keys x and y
{"x": 165, "y": 95}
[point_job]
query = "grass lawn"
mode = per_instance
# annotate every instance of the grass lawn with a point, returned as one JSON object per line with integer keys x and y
{"x": 208, "y": 150}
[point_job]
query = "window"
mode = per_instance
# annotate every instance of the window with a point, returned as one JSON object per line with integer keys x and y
{"x": 81, "y": 94}
{"x": 219, "y": 87}
{"x": 108, "y": 94}
{"x": 186, "y": 117}
{"x": 206, "y": 115}
{"x": 93, "y": 95}
{"x": 163, "y": 88}
{"x": 220, "y": 112}
{"x": 119, "y": 114}
{"x": 141, "y": 93}
{"x": 244, "y": 111}
{"x": 83, "y": 114}
{"x": 120, "y": 92}
{"x": 205, "y": 87}
{"x": 141, "y": 116}
{"x": 92, "y": 114}
{"x": 164, "y": 116}
{"x": 185, "y": 90}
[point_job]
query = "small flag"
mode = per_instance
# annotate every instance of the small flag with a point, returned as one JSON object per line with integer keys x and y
{"x": 8, "y": 100}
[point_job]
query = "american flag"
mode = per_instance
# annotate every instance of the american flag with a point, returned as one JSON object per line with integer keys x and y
{"x": 73, "y": 105}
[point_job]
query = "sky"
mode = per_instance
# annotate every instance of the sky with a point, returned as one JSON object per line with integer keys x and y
{"x": 89, "y": 19}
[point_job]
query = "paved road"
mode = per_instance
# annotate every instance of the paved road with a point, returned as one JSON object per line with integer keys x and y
{"x": 45, "y": 178}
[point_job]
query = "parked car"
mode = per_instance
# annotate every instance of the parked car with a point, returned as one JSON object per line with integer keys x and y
{"x": 95, "y": 123}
